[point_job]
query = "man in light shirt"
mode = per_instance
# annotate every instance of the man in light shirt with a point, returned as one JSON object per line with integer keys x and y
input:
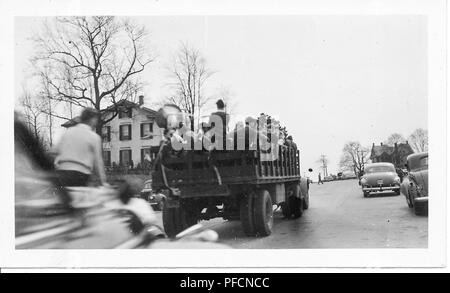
{"x": 79, "y": 152}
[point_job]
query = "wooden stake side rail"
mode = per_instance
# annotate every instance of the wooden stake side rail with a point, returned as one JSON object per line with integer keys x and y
{"x": 234, "y": 167}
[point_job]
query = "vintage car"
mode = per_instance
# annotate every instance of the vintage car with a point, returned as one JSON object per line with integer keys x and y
{"x": 415, "y": 183}
{"x": 378, "y": 177}
{"x": 156, "y": 200}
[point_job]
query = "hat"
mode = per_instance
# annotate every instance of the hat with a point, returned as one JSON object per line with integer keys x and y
{"x": 249, "y": 119}
{"x": 220, "y": 104}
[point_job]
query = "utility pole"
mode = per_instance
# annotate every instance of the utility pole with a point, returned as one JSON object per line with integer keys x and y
{"x": 323, "y": 160}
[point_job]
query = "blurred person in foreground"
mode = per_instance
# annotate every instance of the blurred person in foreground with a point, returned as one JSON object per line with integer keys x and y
{"x": 79, "y": 153}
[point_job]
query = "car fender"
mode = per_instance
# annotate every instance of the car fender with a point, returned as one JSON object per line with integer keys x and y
{"x": 404, "y": 187}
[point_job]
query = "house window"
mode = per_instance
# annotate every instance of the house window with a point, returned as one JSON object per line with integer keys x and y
{"x": 146, "y": 129}
{"x": 125, "y": 113}
{"x": 144, "y": 152}
{"x": 107, "y": 158}
{"x": 125, "y": 132}
{"x": 125, "y": 157}
{"x": 106, "y": 133}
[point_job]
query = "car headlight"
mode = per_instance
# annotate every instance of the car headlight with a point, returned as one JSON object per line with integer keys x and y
{"x": 397, "y": 179}
{"x": 363, "y": 180}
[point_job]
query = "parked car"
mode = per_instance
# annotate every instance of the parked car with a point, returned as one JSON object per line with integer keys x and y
{"x": 156, "y": 200}
{"x": 350, "y": 175}
{"x": 415, "y": 183}
{"x": 378, "y": 177}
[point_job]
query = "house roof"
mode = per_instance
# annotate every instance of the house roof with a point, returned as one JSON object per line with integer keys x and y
{"x": 71, "y": 122}
{"x": 405, "y": 147}
{"x": 378, "y": 150}
{"x": 125, "y": 103}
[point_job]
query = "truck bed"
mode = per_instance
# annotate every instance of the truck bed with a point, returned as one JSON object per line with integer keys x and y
{"x": 197, "y": 168}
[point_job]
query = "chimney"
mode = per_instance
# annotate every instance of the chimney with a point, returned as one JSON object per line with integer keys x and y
{"x": 141, "y": 100}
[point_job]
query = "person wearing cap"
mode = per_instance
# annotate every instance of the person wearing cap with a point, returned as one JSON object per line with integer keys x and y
{"x": 79, "y": 152}
{"x": 290, "y": 142}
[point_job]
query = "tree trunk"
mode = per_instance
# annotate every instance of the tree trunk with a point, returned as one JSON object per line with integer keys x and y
{"x": 50, "y": 124}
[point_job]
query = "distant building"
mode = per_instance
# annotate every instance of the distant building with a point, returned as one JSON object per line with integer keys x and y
{"x": 129, "y": 136}
{"x": 393, "y": 154}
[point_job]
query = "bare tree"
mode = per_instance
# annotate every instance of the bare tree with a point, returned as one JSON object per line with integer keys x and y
{"x": 189, "y": 74}
{"x": 323, "y": 160}
{"x": 47, "y": 109}
{"x": 419, "y": 140}
{"x": 395, "y": 138}
{"x": 32, "y": 107}
{"x": 91, "y": 62}
{"x": 354, "y": 157}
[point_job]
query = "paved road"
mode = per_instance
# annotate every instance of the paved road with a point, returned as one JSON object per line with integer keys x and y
{"x": 338, "y": 217}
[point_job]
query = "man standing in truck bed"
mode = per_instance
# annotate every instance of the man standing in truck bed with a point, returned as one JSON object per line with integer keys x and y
{"x": 290, "y": 142}
{"x": 225, "y": 119}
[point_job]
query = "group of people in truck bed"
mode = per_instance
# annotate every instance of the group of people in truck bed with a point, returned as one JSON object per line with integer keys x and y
{"x": 262, "y": 133}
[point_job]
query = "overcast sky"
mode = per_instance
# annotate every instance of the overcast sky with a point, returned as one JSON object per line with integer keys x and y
{"x": 329, "y": 79}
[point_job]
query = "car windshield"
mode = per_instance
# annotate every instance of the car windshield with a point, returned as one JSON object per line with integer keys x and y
{"x": 377, "y": 169}
{"x": 420, "y": 164}
{"x": 424, "y": 162}
{"x": 148, "y": 185}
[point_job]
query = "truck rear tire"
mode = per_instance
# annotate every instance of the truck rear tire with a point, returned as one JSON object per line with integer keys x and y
{"x": 171, "y": 221}
{"x": 246, "y": 214}
{"x": 286, "y": 210}
{"x": 263, "y": 213}
{"x": 408, "y": 201}
{"x": 420, "y": 209}
{"x": 306, "y": 201}
{"x": 304, "y": 189}
{"x": 175, "y": 220}
{"x": 297, "y": 202}
{"x": 298, "y": 208}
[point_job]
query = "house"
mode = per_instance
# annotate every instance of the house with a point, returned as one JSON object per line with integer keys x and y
{"x": 393, "y": 154}
{"x": 130, "y": 135}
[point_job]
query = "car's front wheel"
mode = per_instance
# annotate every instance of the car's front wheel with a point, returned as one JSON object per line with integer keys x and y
{"x": 366, "y": 193}
{"x": 409, "y": 201}
{"x": 420, "y": 208}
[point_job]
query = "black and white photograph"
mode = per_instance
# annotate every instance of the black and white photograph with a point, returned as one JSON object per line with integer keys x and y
{"x": 146, "y": 135}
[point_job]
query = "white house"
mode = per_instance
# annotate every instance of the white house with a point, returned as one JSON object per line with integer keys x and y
{"x": 129, "y": 136}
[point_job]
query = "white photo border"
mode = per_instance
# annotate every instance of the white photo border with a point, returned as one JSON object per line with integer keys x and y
{"x": 433, "y": 256}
